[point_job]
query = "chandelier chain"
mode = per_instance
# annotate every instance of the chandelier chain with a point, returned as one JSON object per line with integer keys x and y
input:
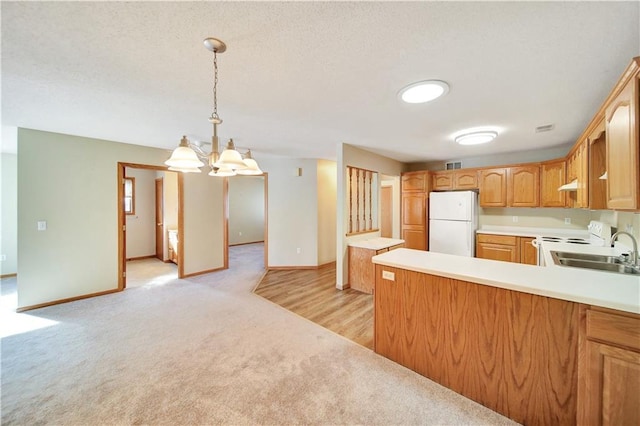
{"x": 215, "y": 85}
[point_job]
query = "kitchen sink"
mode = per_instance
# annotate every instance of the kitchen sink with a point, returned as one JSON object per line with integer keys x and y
{"x": 594, "y": 261}
{"x": 584, "y": 256}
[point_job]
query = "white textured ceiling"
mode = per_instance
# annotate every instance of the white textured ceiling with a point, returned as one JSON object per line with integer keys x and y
{"x": 298, "y": 78}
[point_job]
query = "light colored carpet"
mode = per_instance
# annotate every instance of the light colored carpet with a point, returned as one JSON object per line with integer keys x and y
{"x": 150, "y": 272}
{"x": 207, "y": 351}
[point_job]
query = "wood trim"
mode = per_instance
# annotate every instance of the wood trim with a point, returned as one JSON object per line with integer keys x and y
{"x": 151, "y": 256}
{"x": 266, "y": 221}
{"x": 208, "y": 271}
{"x": 122, "y": 282}
{"x": 369, "y": 231}
{"x": 244, "y": 244}
{"x": 70, "y": 299}
{"x": 144, "y": 166}
{"x": 366, "y": 170}
{"x": 8, "y": 275}
{"x": 181, "y": 225}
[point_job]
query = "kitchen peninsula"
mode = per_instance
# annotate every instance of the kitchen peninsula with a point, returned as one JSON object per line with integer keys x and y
{"x": 516, "y": 338}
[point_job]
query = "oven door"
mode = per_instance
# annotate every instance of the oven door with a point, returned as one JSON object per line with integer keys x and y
{"x": 537, "y": 243}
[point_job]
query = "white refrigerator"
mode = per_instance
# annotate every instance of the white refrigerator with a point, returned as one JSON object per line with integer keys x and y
{"x": 453, "y": 220}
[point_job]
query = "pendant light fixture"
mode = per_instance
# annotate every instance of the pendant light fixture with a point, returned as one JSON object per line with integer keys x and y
{"x": 187, "y": 160}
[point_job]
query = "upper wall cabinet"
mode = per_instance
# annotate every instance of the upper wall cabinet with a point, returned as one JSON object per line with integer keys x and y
{"x": 598, "y": 166}
{"x": 414, "y": 182}
{"x": 552, "y": 176}
{"x": 622, "y": 123}
{"x": 459, "y": 179}
{"x": 578, "y": 170}
{"x": 415, "y": 192}
{"x": 523, "y": 186}
{"x": 442, "y": 180}
{"x": 493, "y": 187}
{"x": 465, "y": 179}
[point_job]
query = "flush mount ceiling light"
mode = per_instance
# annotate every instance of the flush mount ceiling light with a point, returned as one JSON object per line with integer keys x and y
{"x": 186, "y": 157}
{"x": 476, "y": 138}
{"x": 423, "y": 91}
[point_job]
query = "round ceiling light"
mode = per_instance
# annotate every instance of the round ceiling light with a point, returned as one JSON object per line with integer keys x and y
{"x": 423, "y": 91}
{"x": 476, "y": 138}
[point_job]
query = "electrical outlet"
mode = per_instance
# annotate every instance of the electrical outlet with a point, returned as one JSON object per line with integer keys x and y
{"x": 3, "y": 257}
{"x": 42, "y": 225}
{"x": 514, "y": 219}
{"x": 240, "y": 233}
{"x": 567, "y": 221}
{"x": 629, "y": 228}
{"x": 388, "y": 275}
{"x": 298, "y": 250}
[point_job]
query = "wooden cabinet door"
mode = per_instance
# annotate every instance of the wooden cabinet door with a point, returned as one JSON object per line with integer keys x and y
{"x": 414, "y": 220}
{"x": 388, "y": 312}
{"x": 553, "y": 176}
{"x": 415, "y": 239}
{"x": 622, "y": 148}
{"x": 414, "y": 209}
{"x": 528, "y": 253}
{"x": 493, "y": 187}
{"x": 611, "y": 377}
{"x": 465, "y": 179}
{"x": 497, "y": 252}
{"x": 583, "y": 176}
{"x": 597, "y": 167}
{"x": 523, "y": 187}
{"x": 442, "y": 181}
{"x": 414, "y": 182}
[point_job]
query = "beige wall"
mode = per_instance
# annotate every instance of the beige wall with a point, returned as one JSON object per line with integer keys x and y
{"x": 394, "y": 183}
{"x": 246, "y": 209}
{"x": 292, "y": 211}
{"x": 327, "y": 190}
{"x": 622, "y": 221}
{"x": 531, "y": 156}
{"x": 534, "y": 217}
{"x": 349, "y": 155}
{"x": 204, "y": 218}
{"x": 9, "y": 212}
{"x": 141, "y": 226}
{"x": 78, "y": 253}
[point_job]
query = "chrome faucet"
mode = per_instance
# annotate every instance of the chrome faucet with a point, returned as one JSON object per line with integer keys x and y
{"x": 634, "y": 253}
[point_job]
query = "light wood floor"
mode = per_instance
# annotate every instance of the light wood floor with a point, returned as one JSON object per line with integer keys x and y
{"x": 312, "y": 294}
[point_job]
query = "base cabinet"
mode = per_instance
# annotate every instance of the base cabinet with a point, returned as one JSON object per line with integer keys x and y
{"x": 362, "y": 270}
{"x": 609, "y": 371}
{"x": 507, "y": 248}
{"x": 513, "y": 352}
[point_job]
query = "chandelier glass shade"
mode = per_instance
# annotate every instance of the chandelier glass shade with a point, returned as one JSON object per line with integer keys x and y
{"x": 187, "y": 157}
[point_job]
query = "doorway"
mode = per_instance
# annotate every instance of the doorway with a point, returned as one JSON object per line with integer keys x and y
{"x": 153, "y": 211}
{"x": 247, "y": 216}
{"x": 389, "y": 206}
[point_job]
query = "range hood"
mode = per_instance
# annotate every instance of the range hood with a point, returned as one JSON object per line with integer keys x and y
{"x": 571, "y": 186}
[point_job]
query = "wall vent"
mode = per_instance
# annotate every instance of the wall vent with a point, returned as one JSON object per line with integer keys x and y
{"x": 453, "y": 165}
{"x": 545, "y": 128}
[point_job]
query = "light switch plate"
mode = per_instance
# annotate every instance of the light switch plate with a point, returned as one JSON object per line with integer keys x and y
{"x": 388, "y": 275}
{"x": 42, "y": 225}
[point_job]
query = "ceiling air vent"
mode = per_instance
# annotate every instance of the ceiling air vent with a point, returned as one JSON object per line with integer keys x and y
{"x": 453, "y": 165}
{"x": 545, "y": 128}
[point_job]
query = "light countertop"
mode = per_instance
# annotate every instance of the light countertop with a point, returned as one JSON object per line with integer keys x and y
{"x": 605, "y": 289}
{"x": 376, "y": 243}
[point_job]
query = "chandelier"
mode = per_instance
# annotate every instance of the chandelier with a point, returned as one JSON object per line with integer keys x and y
{"x": 189, "y": 157}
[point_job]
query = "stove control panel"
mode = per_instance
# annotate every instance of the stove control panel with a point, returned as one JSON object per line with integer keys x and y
{"x": 599, "y": 229}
